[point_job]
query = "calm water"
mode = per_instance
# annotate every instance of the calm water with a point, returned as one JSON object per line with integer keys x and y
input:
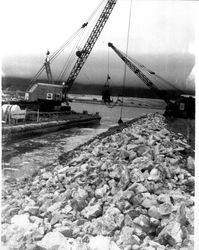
{"x": 25, "y": 156}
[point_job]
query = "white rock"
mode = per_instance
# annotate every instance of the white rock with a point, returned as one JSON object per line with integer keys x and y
{"x": 84, "y": 167}
{"x": 21, "y": 220}
{"x": 63, "y": 169}
{"x": 100, "y": 192}
{"x": 54, "y": 239}
{"x": 154, "y": 212}
{"x": 100, "y": 242}
{"x": 172, "y": 234}
{"x": 33, "y": 210}
{"x": 47, "y": 175}
{"x": 108, "y": 223}
{"x": 66, "y": 209}
{"x": 154, "y": 175}
{"x": 162, "y": 198}
{"x": 143, "y": 222}
{"x": 190, "y": 163}
{"x": 165, "y": 208}
{"x": 92, "y": 211}
{"x": 80, "y": 194}
{"x": 137, "y": 188}
{"x": 56, "y": 206}
{"x": 149, "y": 202}
{"x": 127, "y": 237}
{"x": 136, "y": 175}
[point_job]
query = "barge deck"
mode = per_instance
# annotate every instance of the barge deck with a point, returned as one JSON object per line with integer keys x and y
{"x": 16, "y": 131}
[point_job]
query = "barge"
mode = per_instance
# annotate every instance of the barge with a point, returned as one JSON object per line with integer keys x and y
{"x": 43, "y": 110}
{"x": 36, "y": 123}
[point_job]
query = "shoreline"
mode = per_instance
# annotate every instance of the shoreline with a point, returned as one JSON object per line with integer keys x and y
{"x": 125, "y": 104}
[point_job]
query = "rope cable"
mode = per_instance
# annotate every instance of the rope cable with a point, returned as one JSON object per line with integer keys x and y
{"x": 62, "y": 47}
{"x": 82, "y": 27}
{"x": 155, "y": 75}
{"x": 108, "y": 61}
{"x": 109, "y": 79}
{"x": 54, "y": 55}
{"x": 79, "y": 42}
{"x": 90, "y": 27}
{"x": 125, "y": 66}
{"x": 110, "y": 105}
{"x": 69, "y": 60}
{"x": 66, "y": 65}
{"x": 95, "y": 10}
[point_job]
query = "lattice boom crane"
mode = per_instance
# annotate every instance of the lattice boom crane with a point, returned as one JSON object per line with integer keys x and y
{"x": 85, "y": 52}
{"x": 183, "y": 106}
{"x": 139, "y": 73}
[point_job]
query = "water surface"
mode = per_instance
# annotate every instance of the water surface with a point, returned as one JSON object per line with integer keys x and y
{"x": 27, "y": 155}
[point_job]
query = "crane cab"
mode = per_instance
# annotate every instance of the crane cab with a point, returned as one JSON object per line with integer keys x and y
{"x": 48, "y": 96}
{"x": 44, "y": 91}
{"x": 183, "y": 107}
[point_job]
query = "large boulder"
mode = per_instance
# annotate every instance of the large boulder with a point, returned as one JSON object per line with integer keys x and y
{"x": 143, "y": 221}
{"x": 136, "y": 175}
{"x": 171, "y": 234}
{"x": 137, "y": 188}
{"x": 108, "y": 223}
{"x": 20, "y": 230}
{"x": 91, "y": 212}
{"x": 100, "y": 192}
{"x": 127, "y": 237}
{"x": 79, "y": 199}
{"x": 100, "y": 242}
{"x": 54, "y": 240}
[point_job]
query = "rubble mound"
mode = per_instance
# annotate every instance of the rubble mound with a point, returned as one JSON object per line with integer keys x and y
{"x": 130, "y": 189}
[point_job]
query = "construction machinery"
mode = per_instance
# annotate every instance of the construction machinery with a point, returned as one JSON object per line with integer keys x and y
{"x": 46, "y": 96}
{"x": 53, "y": 95}
{"x": 86, "y": 50}
{"x": 48, "y": 69}
{"x": 183, "y": 106}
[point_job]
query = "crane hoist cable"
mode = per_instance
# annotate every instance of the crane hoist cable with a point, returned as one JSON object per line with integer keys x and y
{"x": 106, "y": 90}
{"x": 125, "y": 66}
{"x": 57, "y": 53}
{"x": 154, "y": 75}
{"x": 88, "y": 46}
{"x": 108, "y": 78}
{"x": 62, "y": 47}
{"x": 108, "y": 66}
{"x": 95, "y": 10}
{"x": 54, "y": 55}
{"x": 92, "y": 20}
{"x": 71, "y": 59}
{"x": 110, "y": 103}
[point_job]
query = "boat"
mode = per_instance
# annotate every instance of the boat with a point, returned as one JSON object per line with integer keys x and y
{"x": 19, "y": 123}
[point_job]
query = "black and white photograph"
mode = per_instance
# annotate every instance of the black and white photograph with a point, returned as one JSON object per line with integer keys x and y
{"x": 98, "y": 125}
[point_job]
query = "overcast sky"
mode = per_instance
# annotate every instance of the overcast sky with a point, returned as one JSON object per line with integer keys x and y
{"x": 164, "y": 28}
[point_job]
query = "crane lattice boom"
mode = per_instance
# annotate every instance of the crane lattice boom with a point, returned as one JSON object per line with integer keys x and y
{"x": 48, "y": 69}
{"x": 84, "y": 53}
{"x": 139, "y": 73}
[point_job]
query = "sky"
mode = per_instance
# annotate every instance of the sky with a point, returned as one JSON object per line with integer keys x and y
{"x": 162, "y": 37}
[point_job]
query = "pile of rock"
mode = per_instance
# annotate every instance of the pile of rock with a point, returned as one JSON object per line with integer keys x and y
{"x": 133, "y": 189}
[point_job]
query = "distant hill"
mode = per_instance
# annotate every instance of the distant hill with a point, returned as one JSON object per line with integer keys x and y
{"x": 14, "y": 84}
